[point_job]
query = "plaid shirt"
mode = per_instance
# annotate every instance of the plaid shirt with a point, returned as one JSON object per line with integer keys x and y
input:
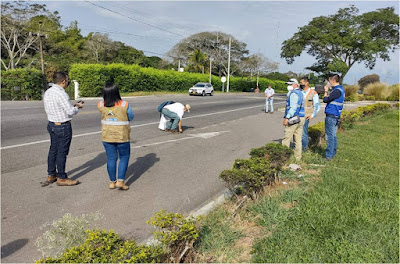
{"x": 57, "y": 105}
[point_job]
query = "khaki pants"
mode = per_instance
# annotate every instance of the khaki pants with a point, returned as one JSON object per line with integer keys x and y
{"x": 294, "y": 131}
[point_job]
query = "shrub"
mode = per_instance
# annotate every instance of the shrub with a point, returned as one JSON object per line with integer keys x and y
{"x": 65, "y": 233}
{"x": 364, "y": 81}
{"x": 316, "y": 134}
{"x": 393, "y": 93}
{"x": 108, "y": 247}
{"x": 379, "y": 90}
{"x": 252, "y": 175}
{"x": 369, "y": 98}
{"x": 131, "y": 78}
{"x": 176, "y": 233}
{"x": 276, "y": 153}
{"x": 30, "y": 83}
{"x": 351, "y": 91}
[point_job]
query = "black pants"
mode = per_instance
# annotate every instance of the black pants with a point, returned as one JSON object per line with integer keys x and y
{"x": 60, "y": 137}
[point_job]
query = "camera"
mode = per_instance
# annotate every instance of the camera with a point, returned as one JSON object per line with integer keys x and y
{"x": 80, "y": 102}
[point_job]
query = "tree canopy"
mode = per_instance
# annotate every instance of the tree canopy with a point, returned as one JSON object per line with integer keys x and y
{"x": 340, "y": 40}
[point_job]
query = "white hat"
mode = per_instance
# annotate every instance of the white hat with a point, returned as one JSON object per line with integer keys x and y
{"x": 292, "y": 81}
{"x": 187, "y": 106}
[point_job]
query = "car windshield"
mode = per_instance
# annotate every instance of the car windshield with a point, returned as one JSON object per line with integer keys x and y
{"x": 199, "y": 85}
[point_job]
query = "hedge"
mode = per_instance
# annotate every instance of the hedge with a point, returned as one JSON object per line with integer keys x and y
{"x": 132, "y": 78}
{"x": 29, "y": 81}
{"x": 317, "y": 132}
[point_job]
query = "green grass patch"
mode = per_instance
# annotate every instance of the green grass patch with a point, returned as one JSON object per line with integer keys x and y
{"x": 352, "y": 214}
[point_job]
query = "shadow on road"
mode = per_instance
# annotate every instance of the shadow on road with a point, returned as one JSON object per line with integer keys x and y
{"x": 90, "y": 165}
{"x": 13, "y": 247}
{"x": 140, "y": 166}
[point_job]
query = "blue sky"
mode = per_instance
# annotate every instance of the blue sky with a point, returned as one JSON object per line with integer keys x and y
{"x": 156, "y": 27}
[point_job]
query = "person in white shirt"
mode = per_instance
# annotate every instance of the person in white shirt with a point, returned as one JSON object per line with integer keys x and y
{"x": 269, "y": 98}
{"x": 59, "y": 112}
{"x": 175, "y": 113}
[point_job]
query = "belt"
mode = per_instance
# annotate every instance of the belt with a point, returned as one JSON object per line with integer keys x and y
{"x": 330, "y": 115}
{"x": 60, "y": 123}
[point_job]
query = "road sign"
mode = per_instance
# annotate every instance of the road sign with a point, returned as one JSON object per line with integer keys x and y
{"x": 223, "y": 79}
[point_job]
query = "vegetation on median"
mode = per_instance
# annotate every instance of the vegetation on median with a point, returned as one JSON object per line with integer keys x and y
{"x": 351, "y": 214}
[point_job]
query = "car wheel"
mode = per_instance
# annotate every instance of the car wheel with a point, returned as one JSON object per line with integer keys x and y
{"x": 212, "y": 93}
{"x": 190, "y": 94}
{"x": 203, "y": 93}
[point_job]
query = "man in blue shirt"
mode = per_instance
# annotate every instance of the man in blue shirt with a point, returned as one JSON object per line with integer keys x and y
{"x": 294, "y": 108}
{"x": 333, "y": 110}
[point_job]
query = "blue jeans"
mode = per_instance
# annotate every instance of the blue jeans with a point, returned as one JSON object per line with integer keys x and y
{"x": 304, "y": 139}
{"x": 174, "y": 119}
{"x": 331, "y": 125}
{"x": 113, "y": 150}
{"x": 60, "y": 141}
{"x": 267, "y": 102}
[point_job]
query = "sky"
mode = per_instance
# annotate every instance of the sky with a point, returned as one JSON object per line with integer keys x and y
{"x": 155, "y": 27}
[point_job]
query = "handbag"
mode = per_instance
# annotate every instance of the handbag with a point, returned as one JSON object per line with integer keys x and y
{"x": 293, "y": 120}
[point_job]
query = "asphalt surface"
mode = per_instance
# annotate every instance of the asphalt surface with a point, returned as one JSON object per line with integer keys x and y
{"x": 175, "y": 172}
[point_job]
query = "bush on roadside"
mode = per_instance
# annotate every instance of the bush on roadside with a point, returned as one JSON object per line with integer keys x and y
{"x": 251, "y": 175}
{"x": 132, "y": 78}
{"x": 276, "y": 153}
{"x": 393, "y": 93}
{"x": 108, "y": 247}
{"x": 351, "y": 92}
{"x": 368, "y": 79}
{"x": 65, "y": 233}
{"x": 28, "y": 80}
{"x": 378, "y": 90}
{"x": 176, "y": 234}
{"x": 316, "y": 134}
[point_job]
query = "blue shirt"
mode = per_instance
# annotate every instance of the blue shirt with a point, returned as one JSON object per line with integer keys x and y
{"x": 130, "y": 113}
{"x": 293, "y": 105}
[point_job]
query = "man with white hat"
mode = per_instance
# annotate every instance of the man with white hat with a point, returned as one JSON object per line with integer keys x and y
{"x": 175, "y": 113}
{"x": 294, "y": 118}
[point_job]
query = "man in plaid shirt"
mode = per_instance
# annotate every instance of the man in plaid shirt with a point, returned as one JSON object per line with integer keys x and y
{"x": 59, "y": 112}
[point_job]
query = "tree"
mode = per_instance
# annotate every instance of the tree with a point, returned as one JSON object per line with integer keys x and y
{"x": 97, "y": 44}
{"x": 215, "y": 45}
{"x": 338, "y": 41}
{"x": 197, "y": 61}
{"x": 15, "y": 37}
{"x": 257, "y": 64}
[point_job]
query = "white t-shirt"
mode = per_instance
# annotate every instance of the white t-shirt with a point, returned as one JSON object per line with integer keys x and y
{"x": 177, "y": 108}
{"x": 269, "y": 92}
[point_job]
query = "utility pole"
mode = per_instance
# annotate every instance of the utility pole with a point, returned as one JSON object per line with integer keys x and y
{"x": 209, "y": 80}
{"x": 179, "y": 64}
{"x": 40, "y": 36}
{"x": 229, "y": 64}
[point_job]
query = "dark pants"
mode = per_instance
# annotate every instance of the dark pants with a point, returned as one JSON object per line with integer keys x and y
{"x": 304, "y": 140}
{"x": 60, "y": 137}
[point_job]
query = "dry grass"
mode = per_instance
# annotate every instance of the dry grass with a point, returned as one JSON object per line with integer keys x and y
{"x": 351, "y": 90}
{"x": 379, "y": 90}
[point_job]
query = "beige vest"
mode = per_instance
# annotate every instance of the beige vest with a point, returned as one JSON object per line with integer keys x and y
{"x": 308, "y": 102}
{"x": 114, "y": 122}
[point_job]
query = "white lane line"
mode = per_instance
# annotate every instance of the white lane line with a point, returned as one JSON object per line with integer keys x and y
{"x": 141, "y": 125}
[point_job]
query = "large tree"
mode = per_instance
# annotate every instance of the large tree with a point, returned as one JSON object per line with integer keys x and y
{"x": 257, "y": 64}
{"x": 340, "y": 40}
{"x": 16, "y": 23}
{"x": 215, "y": 45}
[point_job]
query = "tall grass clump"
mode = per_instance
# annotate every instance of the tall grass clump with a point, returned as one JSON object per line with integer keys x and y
{"x": 378, "y": 90}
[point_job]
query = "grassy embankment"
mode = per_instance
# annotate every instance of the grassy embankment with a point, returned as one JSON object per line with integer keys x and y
{"x": 346, "y": 210}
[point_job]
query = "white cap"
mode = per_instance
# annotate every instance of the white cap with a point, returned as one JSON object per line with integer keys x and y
{"x": 292, "y": 81}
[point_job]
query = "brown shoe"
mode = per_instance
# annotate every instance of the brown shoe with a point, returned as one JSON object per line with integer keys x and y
{"x": 66, "y": 182}
{"x": 112, "y": 185}
{"x": 174, "y": 131}
{"x": 51, "y": 179}
{"x": 167, "y": 130}
{"x": 121, "y": 185}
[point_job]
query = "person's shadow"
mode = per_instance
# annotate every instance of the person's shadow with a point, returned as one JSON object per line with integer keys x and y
{"x": 12, "y": 247}
{"x": 140, "y": 166}
{"x": 90, "y": 165}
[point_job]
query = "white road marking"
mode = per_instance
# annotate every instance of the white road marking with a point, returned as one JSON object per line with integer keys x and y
{"x": 141, "y": 125}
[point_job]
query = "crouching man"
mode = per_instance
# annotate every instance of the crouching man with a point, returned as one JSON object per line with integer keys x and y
{"x": 175, "y": 113}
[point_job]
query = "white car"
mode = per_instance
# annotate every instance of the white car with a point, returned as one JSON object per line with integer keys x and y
{"x": 202, "y": 88}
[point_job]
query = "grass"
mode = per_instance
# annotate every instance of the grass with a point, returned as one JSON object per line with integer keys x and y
{"x": 352, "y": 214}
{"x": 345, "y": 210}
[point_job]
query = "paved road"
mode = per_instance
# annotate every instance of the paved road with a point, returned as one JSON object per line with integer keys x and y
{"x": 176, "y": 172}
